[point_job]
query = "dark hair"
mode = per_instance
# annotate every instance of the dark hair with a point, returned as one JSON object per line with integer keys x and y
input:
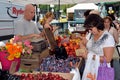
{"x": 112, "y": 16}
{"x": 86, "y": 13}
{"x": 94, "y": 20}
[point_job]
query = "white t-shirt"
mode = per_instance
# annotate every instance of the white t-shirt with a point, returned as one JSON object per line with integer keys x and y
{"x": 106, "y": 40}
{"x": 24, "y": 27}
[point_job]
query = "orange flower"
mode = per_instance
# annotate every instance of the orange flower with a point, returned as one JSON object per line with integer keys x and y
{"x": 10, "y": 57}
{"x": 15, "y": 48}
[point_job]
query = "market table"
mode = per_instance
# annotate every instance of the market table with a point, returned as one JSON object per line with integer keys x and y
{"x": 32, "y": 63}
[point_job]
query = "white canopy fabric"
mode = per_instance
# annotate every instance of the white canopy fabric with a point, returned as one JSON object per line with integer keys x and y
{"x": 61, "y": 1}
{"x": 82, "y": 6}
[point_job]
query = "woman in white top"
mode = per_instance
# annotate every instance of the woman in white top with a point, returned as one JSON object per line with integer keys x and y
{"x": 98, "y": 43}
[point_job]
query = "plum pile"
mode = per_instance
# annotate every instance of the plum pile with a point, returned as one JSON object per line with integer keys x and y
{"x": 51, "y": 64}
{"x": 40, "y": 76}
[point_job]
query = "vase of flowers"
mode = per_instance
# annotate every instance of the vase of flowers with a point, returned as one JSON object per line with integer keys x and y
{"x": 12, "y": 52}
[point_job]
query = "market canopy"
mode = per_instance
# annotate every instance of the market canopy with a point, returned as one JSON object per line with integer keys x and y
{"x": 59, "y": 1}
{"x": 82, "y": 6}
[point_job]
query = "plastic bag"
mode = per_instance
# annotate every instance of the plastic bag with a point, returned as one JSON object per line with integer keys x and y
{"x": 105, "y": 72}
{"x": 91, "y": 67}
{"x": 76, "y": 74}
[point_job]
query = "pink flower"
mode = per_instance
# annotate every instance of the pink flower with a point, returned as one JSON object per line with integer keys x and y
{"x": 30, "y": 46}
{"x": 26, "y": 42}
{"x": 17, "y": 38}
{"x": 29, "y": 51}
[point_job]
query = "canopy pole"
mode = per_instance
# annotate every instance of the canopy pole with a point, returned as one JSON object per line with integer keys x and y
{"x": 58, "y": 9}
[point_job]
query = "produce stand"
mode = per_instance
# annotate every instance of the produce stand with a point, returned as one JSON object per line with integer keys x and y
{"x": 66, "y": 67}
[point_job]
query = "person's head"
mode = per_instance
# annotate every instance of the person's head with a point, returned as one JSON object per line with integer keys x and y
{"x": 29, "y": 12}
{"x": 86, "y": 13}
{"x": 94, "y": 22}
{"x": 48, "y": 17}
{"x": 112, "y": 16}
{"x": 94, "y": 12}
{"x": 107, "y": 21}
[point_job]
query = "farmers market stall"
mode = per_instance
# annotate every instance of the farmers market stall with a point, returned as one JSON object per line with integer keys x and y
{"x": 60, "y": 60}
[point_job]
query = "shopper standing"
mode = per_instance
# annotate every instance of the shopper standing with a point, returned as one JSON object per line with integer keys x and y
{"x": 99, "y": 46}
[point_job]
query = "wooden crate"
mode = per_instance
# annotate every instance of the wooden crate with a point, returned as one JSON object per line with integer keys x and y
{"x": 68, "y": 76}
{"x": 29, "y": 63}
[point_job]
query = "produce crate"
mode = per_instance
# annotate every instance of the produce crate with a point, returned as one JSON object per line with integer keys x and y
{"x": 29, "y": 63}
{"x": 35, "y": 63}
{"x": 68, "y": 76}
{"x": 39, "y": 46}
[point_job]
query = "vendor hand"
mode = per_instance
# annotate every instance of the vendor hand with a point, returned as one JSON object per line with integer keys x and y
{"x": 36, "y": 36}
{"x": 55, "y": 28}
{"x": 42, "y": 34}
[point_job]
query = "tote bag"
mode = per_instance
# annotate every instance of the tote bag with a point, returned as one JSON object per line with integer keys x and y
{"x": 105, "y": 72}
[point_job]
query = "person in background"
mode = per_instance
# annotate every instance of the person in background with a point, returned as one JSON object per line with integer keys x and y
{"x": 25, "y": 28}
{"x": 110, "y": 28}
{"x": 48, "y": 17}
{"x": 94, "y": 12}
{"x": 99, "y": 46}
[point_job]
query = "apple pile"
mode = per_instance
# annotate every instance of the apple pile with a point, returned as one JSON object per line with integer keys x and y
{"x": 40, "y": 76}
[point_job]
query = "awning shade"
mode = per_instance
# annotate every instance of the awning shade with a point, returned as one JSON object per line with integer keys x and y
{"x": 82, "y": 6}
{"x": 61, "y": 1}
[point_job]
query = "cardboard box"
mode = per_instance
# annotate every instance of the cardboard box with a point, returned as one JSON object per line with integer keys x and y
{"x": 50, "y": 37}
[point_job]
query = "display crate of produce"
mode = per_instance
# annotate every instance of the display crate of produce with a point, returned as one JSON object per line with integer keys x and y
{"x": 45, "y": 75}
{"x": 30, "y": 63}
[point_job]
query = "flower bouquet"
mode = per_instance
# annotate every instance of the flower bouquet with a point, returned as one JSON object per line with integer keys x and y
{"x": 12, "y": 51}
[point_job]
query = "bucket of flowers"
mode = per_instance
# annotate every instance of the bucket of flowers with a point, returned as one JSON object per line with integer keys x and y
{"x": 12, "y": 51}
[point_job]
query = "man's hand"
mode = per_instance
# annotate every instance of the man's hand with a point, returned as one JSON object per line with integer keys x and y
{"x": 36, "y": 36}
{"x": 42, "y": 34}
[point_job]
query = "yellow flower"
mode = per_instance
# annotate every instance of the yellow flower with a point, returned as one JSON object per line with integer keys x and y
{"x": 17, "y": 55}
{"x": 16, "y": 47}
